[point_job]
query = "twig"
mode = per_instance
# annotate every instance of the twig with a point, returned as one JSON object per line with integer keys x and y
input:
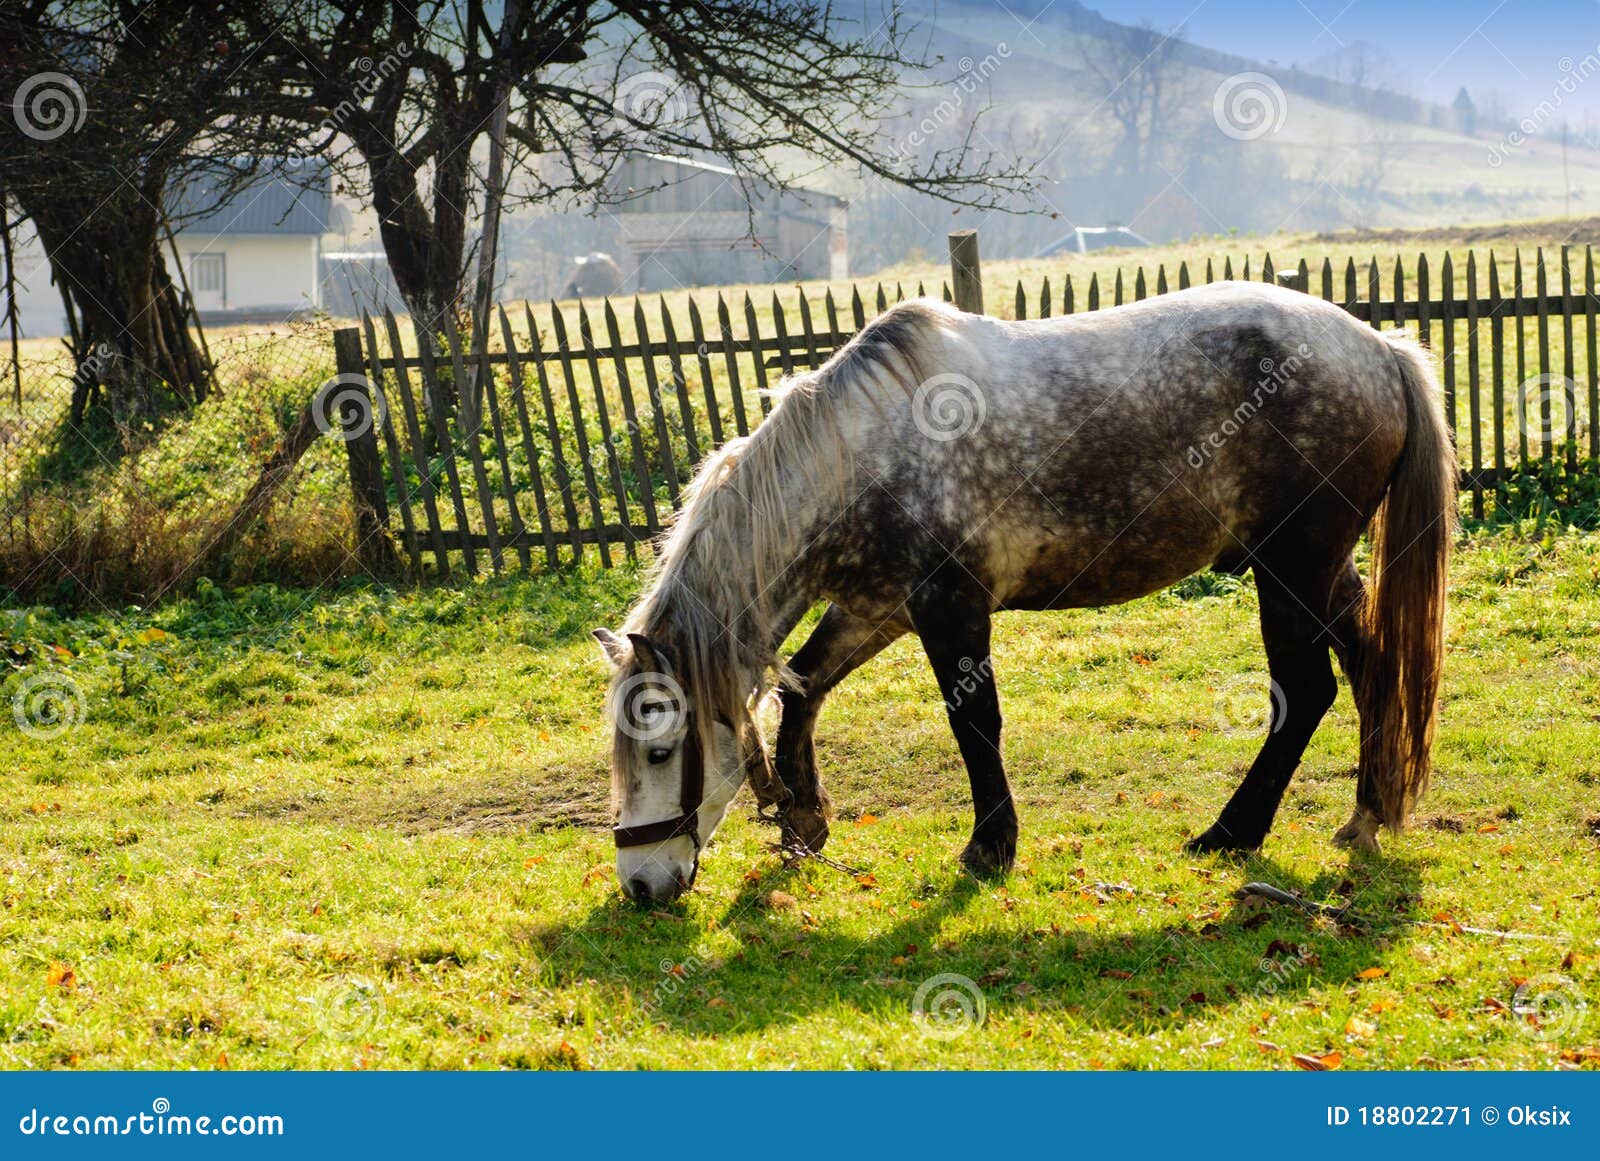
{"x": 1344, "y": 915}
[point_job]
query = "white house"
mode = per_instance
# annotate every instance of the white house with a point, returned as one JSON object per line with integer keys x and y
{"x": 257, "y": 258}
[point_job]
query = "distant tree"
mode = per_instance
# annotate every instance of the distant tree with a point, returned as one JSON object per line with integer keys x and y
{"x": 1466, "y": 113}
{"x": 1139, "y": 71}
{"x": 1360, "y": 63}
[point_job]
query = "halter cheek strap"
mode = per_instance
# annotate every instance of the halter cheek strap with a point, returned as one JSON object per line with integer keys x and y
{"x": 690, "y": 793}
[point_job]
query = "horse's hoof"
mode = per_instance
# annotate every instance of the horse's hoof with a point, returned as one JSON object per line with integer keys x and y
{"x": 805, "y": 827}
{"x": 989, "y": 860}
{"x": 1218, "y": 841}
{"x": 1360, "y": 833}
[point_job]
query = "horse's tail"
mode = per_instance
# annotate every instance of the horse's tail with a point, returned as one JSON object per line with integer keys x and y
{"x": 1411, "y": 537}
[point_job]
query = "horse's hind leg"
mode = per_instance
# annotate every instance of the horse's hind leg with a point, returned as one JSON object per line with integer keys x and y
{"x": 1348, "y": 607}
{"x": 839, "y": 644}
{"x": 954, "y": 627}
{"x": 1297, "y": 642}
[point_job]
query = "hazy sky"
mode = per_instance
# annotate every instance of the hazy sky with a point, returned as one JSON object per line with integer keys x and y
{"x": 1515, "y": 46}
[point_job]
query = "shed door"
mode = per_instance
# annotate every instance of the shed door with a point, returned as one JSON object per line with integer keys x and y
{"x": 208, "y": 281}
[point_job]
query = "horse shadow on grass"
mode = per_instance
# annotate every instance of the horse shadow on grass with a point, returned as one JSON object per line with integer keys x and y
{"x": 1135, "y": 971}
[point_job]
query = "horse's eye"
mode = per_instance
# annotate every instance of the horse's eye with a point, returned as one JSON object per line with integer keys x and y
{"x": 658, "y": 756}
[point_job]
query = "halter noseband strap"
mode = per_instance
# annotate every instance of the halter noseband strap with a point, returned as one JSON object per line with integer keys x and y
{"x": 690, "y": 793}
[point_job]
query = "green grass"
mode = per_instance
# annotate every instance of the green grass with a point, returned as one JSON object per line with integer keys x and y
{"x": 364, "y": 828}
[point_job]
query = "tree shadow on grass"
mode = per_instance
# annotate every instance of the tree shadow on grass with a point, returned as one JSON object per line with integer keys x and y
{"x": 1136, "y": 972}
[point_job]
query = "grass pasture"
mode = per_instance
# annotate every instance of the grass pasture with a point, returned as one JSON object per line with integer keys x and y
{"x": 363, "y": 828}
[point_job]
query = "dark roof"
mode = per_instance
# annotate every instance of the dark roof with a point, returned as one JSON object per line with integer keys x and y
{"x": 270, "y": 205}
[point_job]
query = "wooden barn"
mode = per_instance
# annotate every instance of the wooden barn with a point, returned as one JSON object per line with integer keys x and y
{"x": 686, "y": 223}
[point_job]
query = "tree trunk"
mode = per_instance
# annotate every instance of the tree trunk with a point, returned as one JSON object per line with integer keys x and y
{"x": 131, "y": 337}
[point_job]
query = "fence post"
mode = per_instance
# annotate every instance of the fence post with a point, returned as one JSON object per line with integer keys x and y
{"x": 359, "y": 417}
{"x": 966, "y": 278}
{"x": 1294, "y": 280}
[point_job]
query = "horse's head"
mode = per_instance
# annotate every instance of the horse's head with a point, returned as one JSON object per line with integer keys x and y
{"x": 675, "y": 767}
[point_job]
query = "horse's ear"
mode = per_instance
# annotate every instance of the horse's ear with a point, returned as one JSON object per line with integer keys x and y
{"x": 614, "y": 647}
{"x": 645, "y": 655}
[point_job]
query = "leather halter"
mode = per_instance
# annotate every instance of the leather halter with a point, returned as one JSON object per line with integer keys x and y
{"x": 690, "y": 792}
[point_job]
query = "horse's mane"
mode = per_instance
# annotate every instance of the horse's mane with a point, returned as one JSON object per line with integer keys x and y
{"x": 711, "y": 605}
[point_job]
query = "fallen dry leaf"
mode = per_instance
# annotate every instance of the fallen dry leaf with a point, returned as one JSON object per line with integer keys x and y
{"x": 1327, "y": 1062}
{"x": 1372, "y": 973}
{"x": 61, "y": 976}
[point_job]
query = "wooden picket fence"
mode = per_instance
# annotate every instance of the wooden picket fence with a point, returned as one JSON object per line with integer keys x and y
{"x": 579, "y": 427}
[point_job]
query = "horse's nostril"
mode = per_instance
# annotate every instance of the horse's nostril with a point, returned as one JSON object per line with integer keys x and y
{"x": 639, "y": 890}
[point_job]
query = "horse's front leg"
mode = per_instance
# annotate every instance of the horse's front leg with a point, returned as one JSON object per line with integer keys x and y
{"x": 840, "y": 644}
{"x": 954, "y": 627}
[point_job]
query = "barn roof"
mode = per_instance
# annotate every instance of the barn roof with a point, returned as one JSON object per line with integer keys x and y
{"x": 269, "y": 205}
{"x": 660, "y": 181}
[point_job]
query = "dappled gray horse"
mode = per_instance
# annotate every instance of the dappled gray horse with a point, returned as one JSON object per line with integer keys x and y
{"x": 943, "y": 467}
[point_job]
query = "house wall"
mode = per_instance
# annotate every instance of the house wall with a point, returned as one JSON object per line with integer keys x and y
{"x": 264, "y": 272}
{"x": 39, "y": 309}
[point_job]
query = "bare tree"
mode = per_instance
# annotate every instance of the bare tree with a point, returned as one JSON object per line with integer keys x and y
{"x": 114, "y": 105}
{"x": 1140, "y": 75}
{"x": 400, "y": 91}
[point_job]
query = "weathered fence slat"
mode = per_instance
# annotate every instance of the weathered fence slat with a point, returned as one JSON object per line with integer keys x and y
{"x": 470, "y": 431}
{"x": 809, "y": 331}
{"x": 1399, "y": 296}
{"x": 741, "y": 422}
{"x": 658, "y": 415}
{"x": 1474, "y": 406}
{"x": 1374, "y": 295}
{"x": 1447, "y": 281}
{"x": 1569, "y": 372}
{"x": 1522, "y": 363}
{"x": 630, "y": 418}
{"x": 608, "y": 439}
{"x": 433, "y": 389}
{"x": 680, "y": 387}
{"x": 1589, "y": 311}
{"x": 530, "y": 450}
{"x": 383, "y": 411}
{"x": 569, "y": 507}
{"x": 760, "y": 364}
{"x": 1542, "y": 290}
{"x": 1497, "y": 363}
{"x": 1424, "y": 324}
{"x": 780, "y": 326}
{"x": 419, "y": 447}
{"x": 708, "y": 387}
{"x": 591, "y": 487}
{"x": 489, "y": 394}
